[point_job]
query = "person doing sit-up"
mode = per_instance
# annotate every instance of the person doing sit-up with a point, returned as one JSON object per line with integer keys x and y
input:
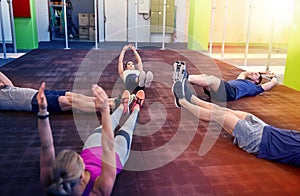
{"x": 24, "y": 99}
{"x": 247, "y": 84}
{"x": 135, "y": 78}
{"x": 93, "y": 171}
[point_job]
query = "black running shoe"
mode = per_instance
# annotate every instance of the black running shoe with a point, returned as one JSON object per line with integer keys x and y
{"x": 178, "y": 93}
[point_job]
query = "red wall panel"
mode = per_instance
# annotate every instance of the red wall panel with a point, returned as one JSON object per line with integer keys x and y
{"x": 21, "y": 8}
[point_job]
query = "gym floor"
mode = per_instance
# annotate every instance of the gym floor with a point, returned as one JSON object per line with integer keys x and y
{"x": 163, "y": 167}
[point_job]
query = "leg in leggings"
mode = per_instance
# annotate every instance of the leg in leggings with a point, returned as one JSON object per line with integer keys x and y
{"x": 123, "y": 138}
{"x": 95, "y": 138}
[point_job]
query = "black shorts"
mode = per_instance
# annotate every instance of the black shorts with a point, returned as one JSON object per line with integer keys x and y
{"x": 52, "y": 100}
{"x": 131, "y": 84}
{"x": 224, "y": 93}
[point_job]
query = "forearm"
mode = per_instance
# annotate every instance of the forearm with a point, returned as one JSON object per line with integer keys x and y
{"x": 108, "y": 136}
{"x": 139, "y": 60}
{"x": 120, "y": 62}
{"x": 104, "y": 184}
{"x": 243, "y": 75}
{"x": 5, "y": 79}
{"x": 45, "y": 132}
{"x": 269, "y": 85}
{"x": 137, "y": 57}
{"x": 47, "y": 154}
{"x": 108, "y": 157}
{"x": 122, "y": 54}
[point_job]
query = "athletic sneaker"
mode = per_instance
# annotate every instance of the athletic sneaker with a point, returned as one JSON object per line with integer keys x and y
{"x": 184, "y": 73}
{"x": 177, "y": 92}
{"x": 125, "y": 101}
{"x": 188, "y": 93}
{"x": 139, "y": 99}
{"x": 142, "y": 79}
{"x": 118, "y": 101}
{"x": 176, "y": 70}
{"x": 131, "y": 98}
{"x": 149, "y": 78}
{"x": 179, "y": 71}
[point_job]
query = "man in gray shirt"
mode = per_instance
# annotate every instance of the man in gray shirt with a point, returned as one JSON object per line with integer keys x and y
{"x": 24, "y": 99}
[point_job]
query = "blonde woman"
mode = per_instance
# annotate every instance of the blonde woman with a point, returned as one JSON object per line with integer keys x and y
{"x": 93, "y": 171}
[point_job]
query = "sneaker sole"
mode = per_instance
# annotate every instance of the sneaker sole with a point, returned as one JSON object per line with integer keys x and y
{"x": 183, "y": 72}
{"x": 186, "y": 88}
{"x": 176, "y": 100}
{"x": 136, "y": 98}
{"x": 179, "y": 71}
{"x": 176, "y": 70}
{"x": 149, "y": 78}
{"x": 142, "y": 78}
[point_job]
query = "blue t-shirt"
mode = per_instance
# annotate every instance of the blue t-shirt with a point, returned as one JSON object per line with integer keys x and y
{"x": 245, "y": 88}
{"x": 280, "y": 145}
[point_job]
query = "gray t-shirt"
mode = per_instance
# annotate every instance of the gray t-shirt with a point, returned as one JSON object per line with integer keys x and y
{"x": 15, "y": 98}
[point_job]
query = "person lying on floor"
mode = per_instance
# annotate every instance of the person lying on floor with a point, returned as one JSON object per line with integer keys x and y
{"x": 135, "y": 78}
{"x": 249, "y": 132}
{"x": 247, "y": 84}
{"x": 94, "y": 170}
{"x": 24, "y": 99}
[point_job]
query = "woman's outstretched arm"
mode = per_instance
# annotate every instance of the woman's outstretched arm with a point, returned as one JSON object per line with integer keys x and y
{"x": 47, "y": 155}
{"x": 120, "y": 61}
{"x": 104, "y": 184}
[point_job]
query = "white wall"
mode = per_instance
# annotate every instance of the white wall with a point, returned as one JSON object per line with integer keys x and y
{"x": 116, "y": 24}
{"x": 261, "y": 21}
{"x": 116, "y": 20}
{"x": 42, "y": 20}
{"x": 182, "y": 20}
{"x": 143, "y": 25}
{"x": 6, "y": 22}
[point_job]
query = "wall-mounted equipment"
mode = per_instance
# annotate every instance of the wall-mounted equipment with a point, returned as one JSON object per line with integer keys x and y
{"x": 143, "y": 6}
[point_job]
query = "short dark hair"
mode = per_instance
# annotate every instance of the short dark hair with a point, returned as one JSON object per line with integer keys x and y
{"x": 259, "y": 79}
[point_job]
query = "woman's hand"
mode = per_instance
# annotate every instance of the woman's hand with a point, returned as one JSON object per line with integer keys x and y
{"x": 101, "y": 98}
{"x": 133, "y": 48}
{"x": 41, "y": 98}
{"x": 126, "y": 47}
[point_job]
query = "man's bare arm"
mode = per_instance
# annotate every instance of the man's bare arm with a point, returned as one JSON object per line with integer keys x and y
{"x": 268, "y": 85}
{"x": 5, "y": 80}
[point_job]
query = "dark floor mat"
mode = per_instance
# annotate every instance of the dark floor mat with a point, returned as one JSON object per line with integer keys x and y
{"x": 165, "y": 156}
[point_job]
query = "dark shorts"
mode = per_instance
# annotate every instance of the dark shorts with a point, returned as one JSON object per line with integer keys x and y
{"x": 52, "y": 100}
{"x": 224, "y": 93}
{"x": 131, "y": 84}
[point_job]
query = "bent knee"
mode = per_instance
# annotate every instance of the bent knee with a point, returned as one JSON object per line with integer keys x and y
{"x": 65, "y": 103}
